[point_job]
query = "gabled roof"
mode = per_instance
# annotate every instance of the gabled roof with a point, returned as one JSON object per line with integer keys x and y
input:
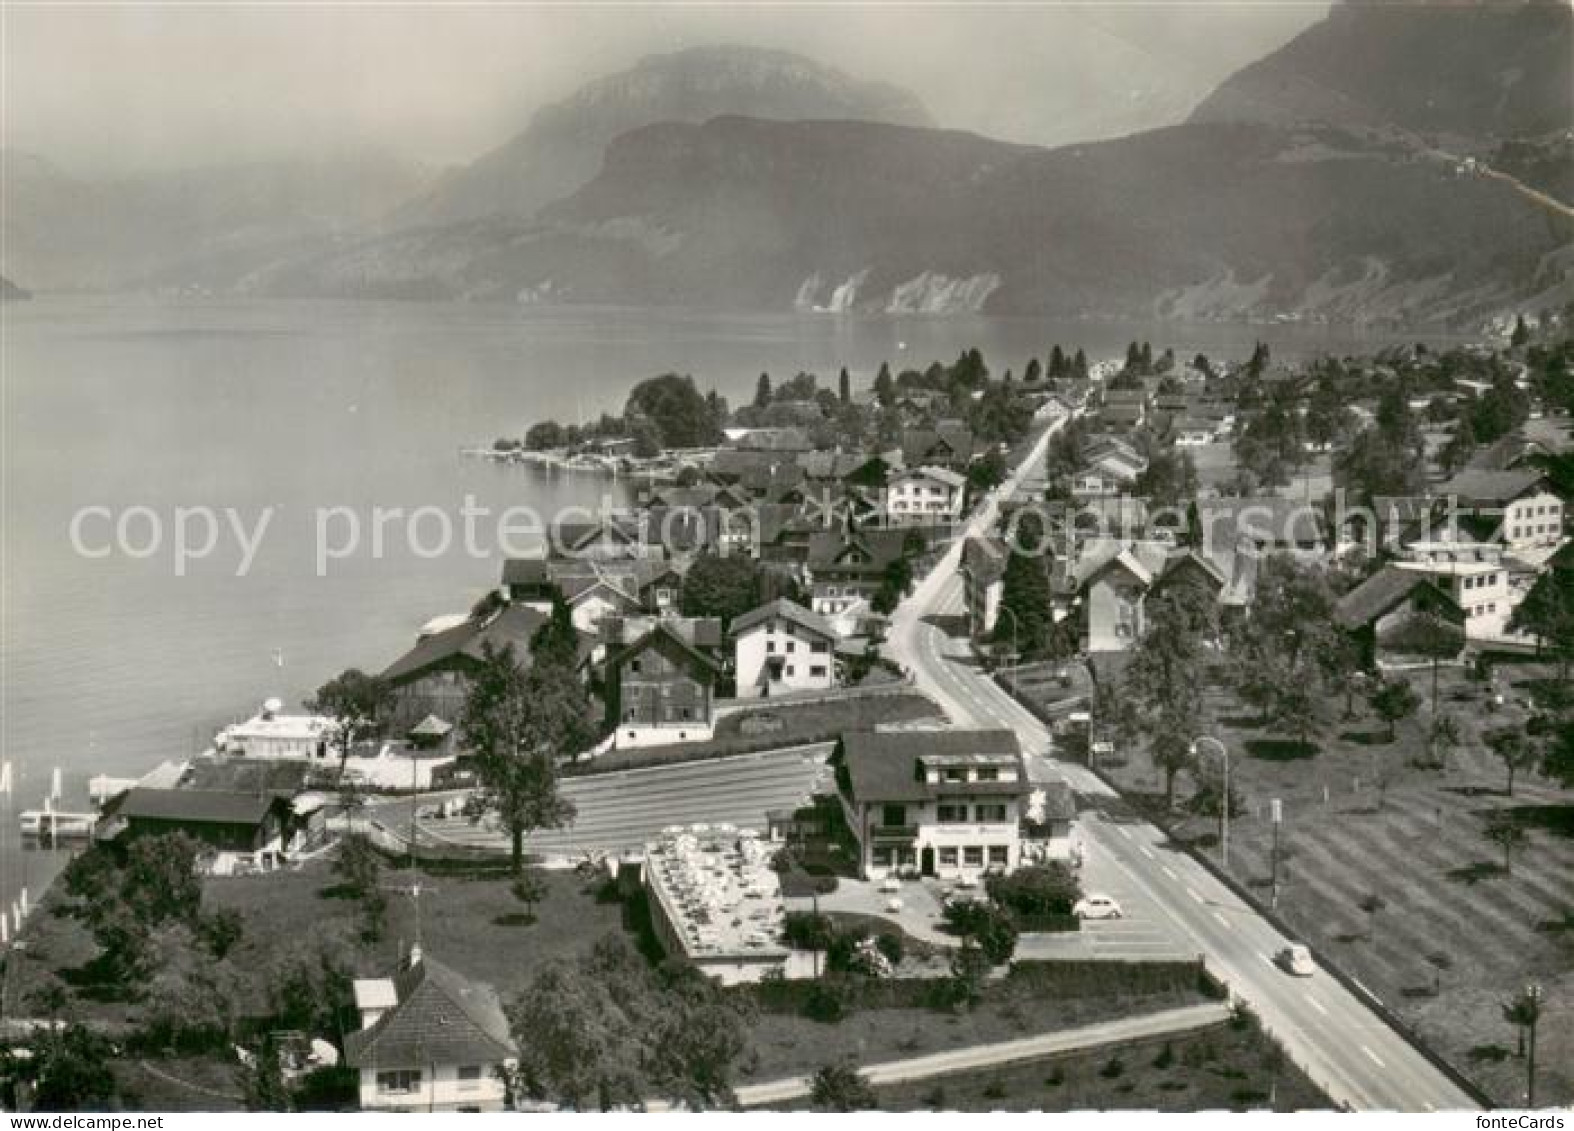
{"x": 1384, "y": 591}
{"x": 526, "y": 571}
{"x": 196, "y": 806}
{"x": 920, "y": 445}
{"x": 514, "y": 624}
{"x": 1491, "y": 488}
{"x": 441, "y": 1018}
{"x": 938, "y": 474}
{"x": 885, "y": 765}
{"x": 782, "y": 609}
{"x": 829, "y": 549}
{"x": 700, "y": 632}
{"x": 663, "y": 636}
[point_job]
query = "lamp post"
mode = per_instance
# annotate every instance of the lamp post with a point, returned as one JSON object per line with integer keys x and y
{"x": 1533, "y": 996}
{"x": 1224, "y": 805}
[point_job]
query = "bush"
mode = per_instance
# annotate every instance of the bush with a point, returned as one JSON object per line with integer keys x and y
{"x": 805, "y": 930}
{"x": 1038, "y": 890}
{"x": 831, "y": 999}
{"x": 891, "y": 946}
{"x": 986, "y": 924}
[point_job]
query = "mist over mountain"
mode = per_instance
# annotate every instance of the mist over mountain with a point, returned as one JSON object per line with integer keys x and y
{"x": 561, "y": 149}
{"x": 204, "y": 227}
{"x": 1476, "y": 71}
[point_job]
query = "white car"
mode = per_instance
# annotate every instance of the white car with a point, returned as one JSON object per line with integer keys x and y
{"x": 1097, "y": 907}
{"x": 1296, "y": 959}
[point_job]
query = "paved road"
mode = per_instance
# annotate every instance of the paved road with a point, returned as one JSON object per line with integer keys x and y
{"x": 622, "y": 810}
{"x": 1328, "y": 1030}
{"x": 1159, "y": 1024}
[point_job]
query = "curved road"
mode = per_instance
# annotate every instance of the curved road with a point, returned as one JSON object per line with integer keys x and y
{"x": 1327, "y": 1030}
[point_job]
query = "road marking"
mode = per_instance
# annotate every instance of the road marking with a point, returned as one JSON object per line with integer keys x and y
{"x": 1146, "y": 851}
{"x": 1372, "y": 1056}
{"x": 1123, "y": 831}
{"x": 1221, "y": 918}
{"x": 1317, "y": 1005}
{"x": 1165, "y": 868}
{"x": 1195, "y": 898}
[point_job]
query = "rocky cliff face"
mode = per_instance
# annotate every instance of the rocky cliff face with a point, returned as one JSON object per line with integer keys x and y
{"x": 562, "y": 147}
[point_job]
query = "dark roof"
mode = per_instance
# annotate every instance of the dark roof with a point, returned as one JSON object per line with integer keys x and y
{"x": 515, "y": 625}
{"x": 196, "y": 806}
{"x": 882, "y": 547}
{"x": 663, "y": 634}
{"x": 920, "y": 444}
{"x": 786, "y": 610}
{"x": 1493, "y": 488}
{"x": 526, "y": 571}
{"x": 1381, "y": 593}
{"x": 700, "y": 632}
{"x": 441, "y": 1018}
{"x": 884, "y": 765}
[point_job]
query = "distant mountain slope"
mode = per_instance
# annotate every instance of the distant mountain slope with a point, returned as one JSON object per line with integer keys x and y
{"x": 193, "y": 228}
{"x": 561, "y": 148}
{"x": 1204, "y": 220}
{"x": 10, "y": 292}
{"x": 1478, "y": 70}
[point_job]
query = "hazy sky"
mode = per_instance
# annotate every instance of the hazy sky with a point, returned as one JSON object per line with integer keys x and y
{"x": 147, "y": 85}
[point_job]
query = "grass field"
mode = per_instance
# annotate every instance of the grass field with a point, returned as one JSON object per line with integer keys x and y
{"x": 1224, "y": 1067}
{"x": 1457, "y": 935}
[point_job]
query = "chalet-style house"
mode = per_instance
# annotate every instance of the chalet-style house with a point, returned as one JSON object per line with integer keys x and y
{"x": 1476, "y": 576}
{"x": 243, "y": 830}
{"x": 983, "y": 568}
{"x": 1115, "y": 579}
{"x": 659, "y": 689}
{"x": 594, "y": 589}
{"x": 433, "y": 677}
{"x": 948, "y": 444}
{"x": 1383, "y": 614}
{"x": 929, "y": 496}
{"x": 845, "y": 568}
{"x": 782, "y": 647}
{"x": 430, "y": 1040}
{"x": 946, "y": 803}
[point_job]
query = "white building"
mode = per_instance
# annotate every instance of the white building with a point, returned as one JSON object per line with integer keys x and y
{"x": 782, "y": 647}
{"x": 430, "y": 1040}
{"x": 716, "y": 902}
{"x": 274, "y": 735}
{"x": 946, "y": 803}
{"x": 1475, "y": 576}
{"x": 930, "y": 495}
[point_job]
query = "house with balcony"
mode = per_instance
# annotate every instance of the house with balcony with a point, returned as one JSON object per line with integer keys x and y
{"x": 430, "y": 1040}
{"x": 947, "y": 803}
{"x": 780, "y": 648}
{"x": 929, "y": 496}
{"x": 1475, "y": 576}
{"x": 846, "y": 567}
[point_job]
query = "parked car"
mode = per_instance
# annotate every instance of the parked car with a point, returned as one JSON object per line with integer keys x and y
{"x": 1297, "y": 960}
{"x": 1097, "y": 907}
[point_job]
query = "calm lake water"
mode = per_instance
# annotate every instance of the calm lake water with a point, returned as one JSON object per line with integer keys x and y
{"x": 114, "y": 663}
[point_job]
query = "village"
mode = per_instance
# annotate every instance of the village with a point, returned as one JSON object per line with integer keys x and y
{"x": 965, "y": 695}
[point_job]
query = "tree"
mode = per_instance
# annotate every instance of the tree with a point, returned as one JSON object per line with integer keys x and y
{"x": 1558, "y": 760}
{"x": 1394, "y": 700}
{"x": 1547, "y": 613}
{"x": 1521, "y": 332}
{"x": 1024, "y": 616}
{"x": 69, "y": 1073}
{"x": 1508, "y": 834}
{"x": 699, "y": 1040}
{"x": 357, "y": 864}
{"x": 1169, "y": 479}
{"x": 261, "y": 1080}
{"x": 844, "y": 386}
{"x": 895, "y": 583}
{"x": 682, "y": 416}
{"x": 841, "y": 1087}
{"x": 189, "y": 1001}
{"x": 762, "y": 391}
{"x": 1513, "y": 748}
{"x": 1036, "y": 890}
{"x": 1524, "y": 1013}
{"x": 310, "y": 984}
{"x": 578, "y": 1037}
{"x": 721, "y": 586}
{"x": 1164, "y": 676}
{"x": 517, "y": 724}
{"x": 985, "y": 924}
{"x": 357, "y": 705}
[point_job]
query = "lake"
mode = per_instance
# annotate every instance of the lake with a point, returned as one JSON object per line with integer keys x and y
{"x": 110, "y": 664}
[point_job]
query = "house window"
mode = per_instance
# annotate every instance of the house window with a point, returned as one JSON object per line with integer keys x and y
{"x": 994, "y": 814}
{"x": 770, "y": 647}
{"x": 999, "y": 855}
{"x": 973, "y": 856}
{"x": 989, "y": 773}
{"x": 818, "y": 671}
{"x": 955, "y": 773}
{"x": 880, "y": 857}
{"x": 789, "y": 669}
{"x": 634, "y": 666}
{"x": 952, "y": 814}
{"x": 948, "y": 857}
{"x": 820, "y": 646}
{"x": 469, "y": 1076}
{"x": 893, "y": 814}
{"x": 791, "y": 647}
{"x": 402, "y": 1081}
